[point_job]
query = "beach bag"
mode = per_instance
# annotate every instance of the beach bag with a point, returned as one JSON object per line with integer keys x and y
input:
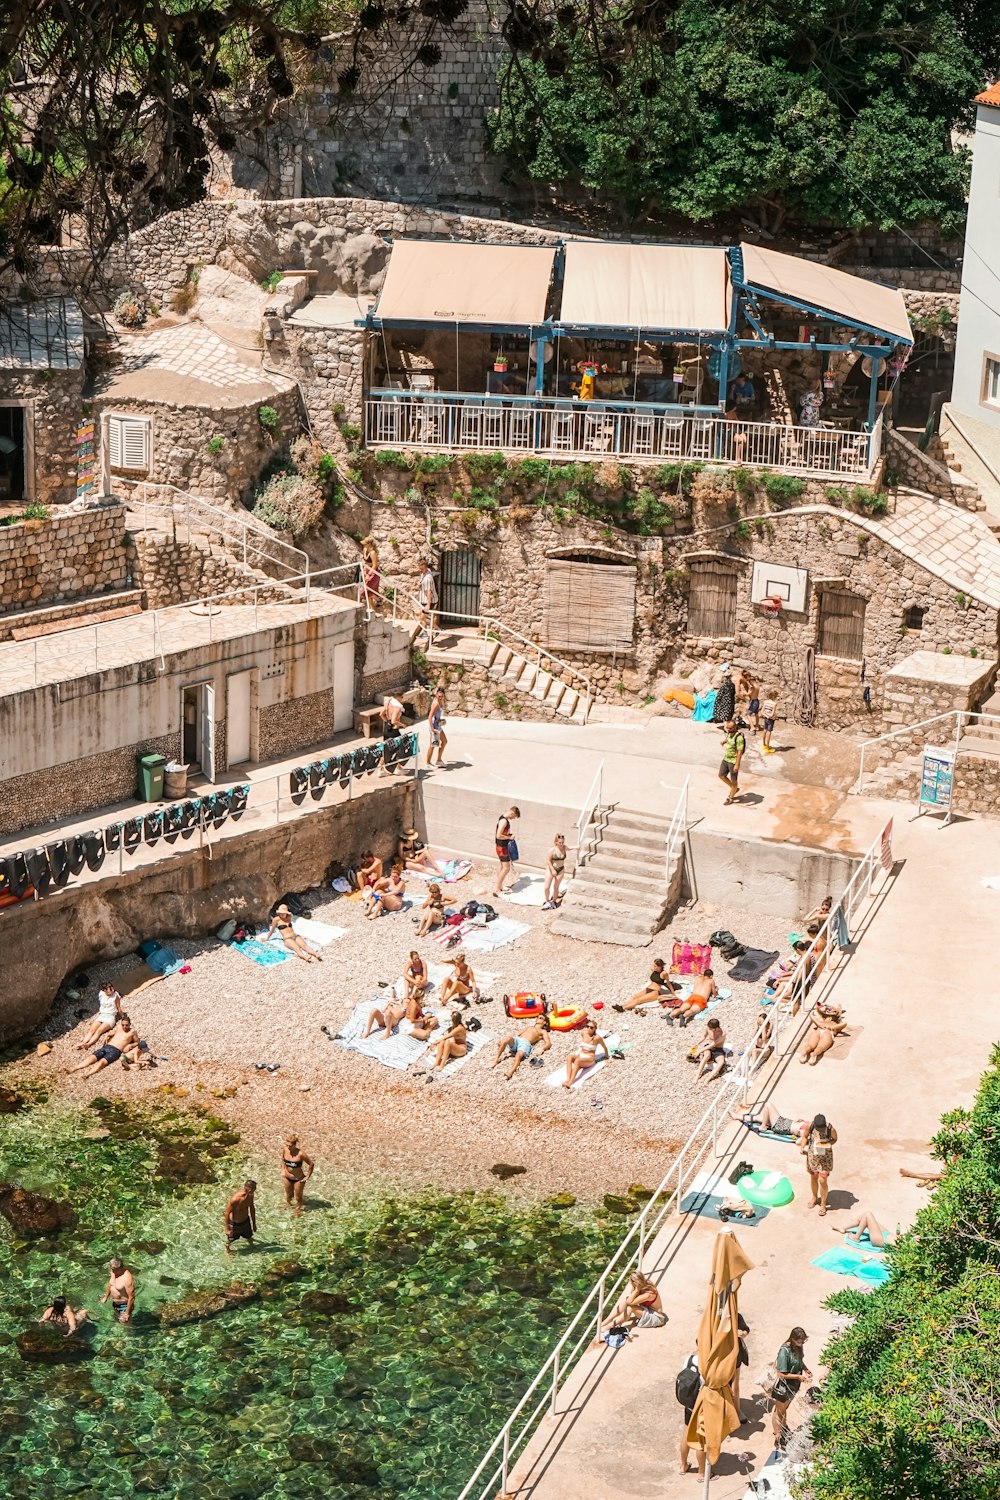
{"x": 743, "y": 1169}
{"x": 733, "y": 951}
{"x": 688, "y": 1383}
{"x": 226, "y": 932}
{"x": 721, "y": 938}
{"x": 770, "y": 1379}
{"x": 512, "y": 852}
{"x": 485, "y": 912}
{"x": 616, "y": 1336}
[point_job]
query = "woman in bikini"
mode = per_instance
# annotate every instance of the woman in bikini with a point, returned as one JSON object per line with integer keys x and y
{"x": 387, "y": 895}
{"x": 412, "y": 853}
{"x": 640, "y": 1305}
{"x": 585, "y": 1055}
{"x": 281, "y": 923}
{"x": 415, "y": 977}
{"x": 555, "y": 867}
{"x": 461, "y": 984}
{"x": 453, "y": 1043}
{"x": 62, "y": 1316}
{"x": 827, "y": 1025}
{"x": 657, "y": 990}
{"x": 432, "y": 910}
{"x": 296, "y": 1170}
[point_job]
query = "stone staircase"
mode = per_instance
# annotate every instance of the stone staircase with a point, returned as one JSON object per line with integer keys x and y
{"x": 541, "y": 692}
{"x": 980, "y": 738}
{"x": 622, "y": 892}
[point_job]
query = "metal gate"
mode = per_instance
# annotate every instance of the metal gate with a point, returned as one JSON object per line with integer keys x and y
{"x": 459, "y": 592}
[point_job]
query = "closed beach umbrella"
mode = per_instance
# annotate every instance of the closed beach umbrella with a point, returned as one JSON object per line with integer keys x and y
{"x": 715, "y": 1416}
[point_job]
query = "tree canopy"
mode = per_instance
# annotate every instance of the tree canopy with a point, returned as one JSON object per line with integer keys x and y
{"x": 836, "y": 111}
{"x": 911, "y": 1406}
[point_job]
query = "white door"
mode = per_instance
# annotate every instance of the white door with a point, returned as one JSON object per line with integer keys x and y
{"x": 343, "y": 686}
{"x": 238, "y": 718}
{"x": 206, "y": 730}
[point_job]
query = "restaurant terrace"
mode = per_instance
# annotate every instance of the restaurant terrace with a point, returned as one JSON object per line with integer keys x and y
{"x": 593, "y": 349}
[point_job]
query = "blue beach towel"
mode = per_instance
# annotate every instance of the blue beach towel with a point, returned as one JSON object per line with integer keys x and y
{"x": 851, "y": 1263}
{"x": 704, "y": 707}
{"x": 262, "y": 953}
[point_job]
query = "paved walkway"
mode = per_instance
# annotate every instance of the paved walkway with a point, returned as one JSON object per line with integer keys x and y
{"x": 884, "y": 1090}
{"x": 188, "y": 364}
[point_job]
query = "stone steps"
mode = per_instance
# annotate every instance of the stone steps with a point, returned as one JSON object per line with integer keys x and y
{"x": 28, "y": 624}
{"x": 620, "y": 895}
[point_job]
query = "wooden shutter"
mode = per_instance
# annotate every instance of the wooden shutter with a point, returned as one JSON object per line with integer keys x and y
{"x": 589, "y": 606}
{"x": 712, "y": 599}
{"x": 128, "y": 443}
{"x": 841, "y": 625}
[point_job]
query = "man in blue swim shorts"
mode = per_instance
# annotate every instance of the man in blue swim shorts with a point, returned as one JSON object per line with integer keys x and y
{"x": 535, "y": 1034}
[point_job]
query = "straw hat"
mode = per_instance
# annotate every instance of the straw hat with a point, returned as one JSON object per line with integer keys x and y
{"x": 411, "y": 833}
{"x": 283, "y": 910}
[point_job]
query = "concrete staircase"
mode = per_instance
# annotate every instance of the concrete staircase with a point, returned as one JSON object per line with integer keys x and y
{"x": 980, "y": 738}
{"x": 551, "y": 692}
{"x": 622, "y": 892}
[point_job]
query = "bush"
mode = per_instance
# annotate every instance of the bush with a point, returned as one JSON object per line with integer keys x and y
{"x": 215, "y": 444}
{"x": 782, "y": 487}
{"x": 911, "y": 1405}
{"x": 35, "y": 511}
{"x": 485, "y": 465}
{"x": 744, "y": 482}
{"x": 388, "y": 458}
{"x": 869, "y": 500}
{"x": 271, "y": 281}
{"x": 837, "y": 494}
{"x": 130, "y": 309}
{"x": 350, "y": 432}
{"x": 267, "y": 417}
{"x": 185, "y": 296}
{"x": 434, "y": 463}
{"x": 532, "y": 471}
{"x": 326, "y": 467}
{"x": 290, "y": 502}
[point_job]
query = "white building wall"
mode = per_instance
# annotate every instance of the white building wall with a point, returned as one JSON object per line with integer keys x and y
{"x": 979, "y": 316}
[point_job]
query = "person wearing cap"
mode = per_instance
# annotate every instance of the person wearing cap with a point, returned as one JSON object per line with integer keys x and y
{"x": 790, "y": 1365}
{"x": 281, "y": 923}
{"x": 413, "y": 854}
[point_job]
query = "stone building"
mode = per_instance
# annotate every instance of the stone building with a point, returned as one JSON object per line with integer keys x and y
{"x": 41, "y": 381}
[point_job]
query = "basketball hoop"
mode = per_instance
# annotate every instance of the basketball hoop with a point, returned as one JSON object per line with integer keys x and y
{"x": 770, "y": 606}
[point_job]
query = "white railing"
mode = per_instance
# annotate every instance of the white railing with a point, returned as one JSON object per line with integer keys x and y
{"x": 270, "y": 801}
{"x": 955, "y": 718}
{"x": 71, "y": 646}
{"x": 777, "y": 1028}
{"x": 591, "y": 805}
{"x": 245, "y": 538}
{"x": 493, "y": 629}
{"x": 677, "y": 832}
{"x": 567, "y": 429}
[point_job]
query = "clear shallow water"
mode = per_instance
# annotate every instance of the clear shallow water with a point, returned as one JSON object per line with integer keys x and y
{"x": 451, "y": 1304}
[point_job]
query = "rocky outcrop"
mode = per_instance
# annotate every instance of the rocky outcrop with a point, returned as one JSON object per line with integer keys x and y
{"x": 30, "y": 1215}
{"x": 197, "y": 1307}
{"x": 10, "y": 1102}
{"x": 45, "y": 1345}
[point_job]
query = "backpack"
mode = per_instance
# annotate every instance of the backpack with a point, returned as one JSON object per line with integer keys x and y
{"x": 733, "y": 951}
{"x": 688, "y": 1383}
{"x": 722, "y": 938}
{"x": 743, "y": 1169}
{"x": 470, "y": 909}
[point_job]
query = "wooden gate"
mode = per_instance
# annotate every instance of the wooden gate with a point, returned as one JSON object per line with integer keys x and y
{"x": 841, "y": 625}
{"x": 712, "y": 599}
{"x": 461, "y": 573}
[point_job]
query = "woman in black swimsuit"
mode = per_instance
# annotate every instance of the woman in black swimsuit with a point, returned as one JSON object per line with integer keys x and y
{"x": 296, "y": 1170}
{"x": 62, "y": 1316}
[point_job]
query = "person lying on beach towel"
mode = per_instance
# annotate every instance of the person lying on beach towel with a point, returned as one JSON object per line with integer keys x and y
{"x": 768, "y": 1117}
{"x": 114, "y": 1047}
{"x": 389, "y": 1017}
{"x": 703, "y": 989}
{"x": 588, "y": 1049}
{"x": 658, "y": 989}
{"x": 461, "y": 984}
{"x": 866, "y": 1224}
{"x": 432, "y": 911}
{"x": 281, "y": 923}
{"x": 535, "y": 1034}
{"x": 452, "y": 1044}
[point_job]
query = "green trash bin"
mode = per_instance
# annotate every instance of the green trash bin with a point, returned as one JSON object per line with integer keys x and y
{"x": 150, "y": 787}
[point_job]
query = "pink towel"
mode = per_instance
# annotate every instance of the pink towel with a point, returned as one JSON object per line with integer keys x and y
{"x": 691, "y": 958}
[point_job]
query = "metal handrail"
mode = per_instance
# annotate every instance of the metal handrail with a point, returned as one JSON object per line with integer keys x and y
{"x": 591, "y": 804}
{"x": 489, "y": 624}
{"x": 678, "y": 827}
{"x": 957, "y": 716}
{"x": 223, "y": 522}
{"x": 700, "y": 1144}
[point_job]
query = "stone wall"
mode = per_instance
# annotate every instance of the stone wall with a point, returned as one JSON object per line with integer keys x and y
{"x": 975, "y": 788}
{"x": 925, "y": 685}
{"x": 53, "y": 403}
{"x": 78, "y": 786}
{"x": 184, "y": 895}
{"x": 69, "y": 556}
{"x": 290, "y": 726}
{"x": 328, "y": 365}
{"x": 180, "y": 436}
{"x": 924, "y": 473}
{"x": 173, "y": 572}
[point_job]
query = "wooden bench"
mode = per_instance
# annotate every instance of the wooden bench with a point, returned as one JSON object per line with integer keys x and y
{"x": 368, "y": 721}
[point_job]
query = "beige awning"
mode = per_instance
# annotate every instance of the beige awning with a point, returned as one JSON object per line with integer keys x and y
{"x": 852, "y": 298}
{"x": 653, "y": 287}
{"x": 438, "y": 281}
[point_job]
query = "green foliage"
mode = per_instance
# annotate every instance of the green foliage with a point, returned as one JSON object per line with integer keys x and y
{"x": 350, "y": 432}
{"x": 531, "y": 471}
{"x": 35, "y": 511}
{"x": 388, "y": 458}
{"x": 780, "y": 488}
{"x": 670, "y": 476}
{"x": 267, "y": 417}
{"x": 290, "y": 502}
{"x": 744, "y": 482}
{"x": 271, "y": 281}
{"x": 837, "y": 494}
{"x": 744, "y": 531}
{"x": 910, "y": 1407}
{"x": 215, "y": 445}
{"x": 973, "y": 651}
{"x": 326, "y": 467}
{"x": 429, "y": 464}
{"x": 486, "y": 465}
{"x": 809, "y": 110}
{"x": 962, "y": 600}
{"x": 870, "y": 501}
{"x": 650, "y": 514}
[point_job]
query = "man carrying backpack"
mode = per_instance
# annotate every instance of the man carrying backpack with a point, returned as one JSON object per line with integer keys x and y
{"x": 686, "y": 1388}
{"x": 733, "y": 750}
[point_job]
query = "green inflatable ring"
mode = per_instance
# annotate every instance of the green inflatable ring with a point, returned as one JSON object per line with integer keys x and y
{"x": 767, "y": 1189}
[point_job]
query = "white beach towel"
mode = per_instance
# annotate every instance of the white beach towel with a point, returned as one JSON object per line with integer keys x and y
{"x": 320, "y": 933}
{"x": 494, "y": 935}
{"x": 398, "y": 1051}
{"x": 526, "y": 890}
{"x": 558, "y": 1078}
{"x": 449, "y": 871}
{"x": 438, "y": 973}
{"x": 475, "y": 1041}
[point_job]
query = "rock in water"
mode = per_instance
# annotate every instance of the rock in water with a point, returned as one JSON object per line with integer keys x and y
{"x": 10, "y": 1102}
{"x": 504, "y": 1171}
{"x": 616, "y": 1205}
{"x": 30, "y": 1214}
{"x": 560, "y": 1200}
{"x": 45, "y": 1345}
{"x": 326, "y": 1303}
{"x": 196, "y": 1307}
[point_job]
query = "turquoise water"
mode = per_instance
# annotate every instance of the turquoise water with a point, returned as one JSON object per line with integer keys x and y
{"x": 442, "y": 1309}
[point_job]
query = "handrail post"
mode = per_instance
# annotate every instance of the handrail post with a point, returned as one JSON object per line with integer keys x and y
{"x": 555, "y": 1384}
{"x": 505, "y": 1473}
{"x": 277, "y": 799}
{"x": 642, "y": 1242}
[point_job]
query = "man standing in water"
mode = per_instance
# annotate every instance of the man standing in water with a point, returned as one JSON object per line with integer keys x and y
{"x": 121, "y": 1290}
{"x": 240, "y": 1218}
